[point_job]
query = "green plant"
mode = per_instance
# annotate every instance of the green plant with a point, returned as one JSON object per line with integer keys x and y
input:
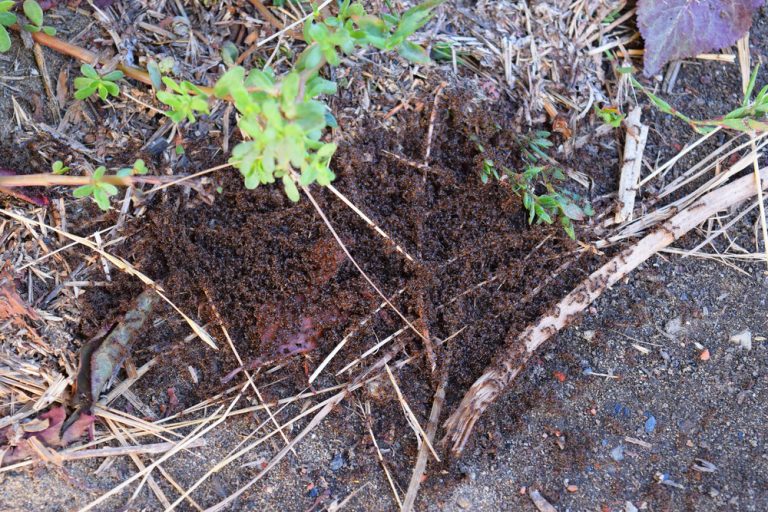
{"x": 93, "y": 83}
{"x": 34, "y": 14}
{"x": 58, "y": 167}
{"x": 283, "y": 120}
{"x": 538, "y": 185}
{"x": 32, "y": 11}
{"x": 749, "y": 117}
{"x": 138, "y": 168}
{"x": 185, "y": 99}
{"x": 610, "y": 115}
{"x": 98, "y": 189}
{"x": 6, "y": 20}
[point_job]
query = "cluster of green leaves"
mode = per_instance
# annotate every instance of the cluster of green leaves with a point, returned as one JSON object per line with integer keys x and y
{"x": 538, "y": 185}
{"x": 99, "y": 189}
{"x": 93, "y": 83}
{"x": 284, "y": 120}
{"x": 185, "y": 99}
{"x": 33, "y": 13}
{"x": 749, "y": 117}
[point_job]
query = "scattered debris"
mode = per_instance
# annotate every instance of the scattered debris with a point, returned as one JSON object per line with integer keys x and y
{"x": 704, "y": 466}
{"x": 540, "y": 503}
{"x": 743, "y": 339}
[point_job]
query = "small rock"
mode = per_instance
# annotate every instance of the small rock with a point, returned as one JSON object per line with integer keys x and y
{"x": 743, "y": 339}
{"x": 650, "y": 423}
{"x": 674, "y": 326}
{"x": 704, "y": 356}
{"x": 463, "y": 503}
{"x": 337, "y": 462}
{"x": 630, "y": 507}
{"x": 617, "y": 453}
{"x": 588, "y": 335}
{"x": 572, "y": 488}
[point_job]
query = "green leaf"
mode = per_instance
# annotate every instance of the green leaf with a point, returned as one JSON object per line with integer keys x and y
{"x": 34, "y": 12}
{"x": 5, "y": 40}
{"x": 154, "y": 75}
{"x": 83, "y": 191}
{"x": 101, "y": 198}
{"x": 310, "y": 58}
{"x": 7, "y": 19}
{"x": 228, "y": 81}
{"x": 99, "y": 173}
{"x": 568, "y": 227}
{"x": 290, "y": 189}
{"x": 49, "y": 30}
{"x": 89, "y": 71}
{"x": 31, "y": 28}
{"x": 413, "y": 53}
{"x": 7, "y": 5}
{"x": 112, "y": 88}
{"x": 113, "y": 76}
{"x": 171, "y": 84}
{"x": 318, "y": 85}
{"x": 86, "y": 91}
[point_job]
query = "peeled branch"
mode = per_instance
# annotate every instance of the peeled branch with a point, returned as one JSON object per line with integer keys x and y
{"x": 518, "y": 349}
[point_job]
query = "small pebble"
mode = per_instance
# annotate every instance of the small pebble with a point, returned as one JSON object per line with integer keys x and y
{"x": 704, "y": 356}
{"x": 650, "y": 424}
{"x": 617, "y": 453}
{"x": 743, "y": 339}
{"x": 572, "y": 488}
{"x": 463, "y": 503}
{"x": 337, "y": 462}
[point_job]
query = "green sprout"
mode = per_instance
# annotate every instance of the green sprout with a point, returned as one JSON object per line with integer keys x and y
{"x": 610, "y": 116}
{"x": 138, "y": 168}
{"x": 93, "y": 83}
{"x": 553, "y": 202}
{"x": 185, "y": 99}
{"x": 6, "y": 20}
{"x": 98, "y": 189}
{"x": 749, "y": 117}
{"x": 34, "y": 14}
{"x": 58, "y": 167}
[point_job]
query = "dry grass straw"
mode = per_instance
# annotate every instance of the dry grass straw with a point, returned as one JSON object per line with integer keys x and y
{"x": 121, "y": 264}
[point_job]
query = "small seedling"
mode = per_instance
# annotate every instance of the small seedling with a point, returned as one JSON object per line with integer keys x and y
{"x": 34, "y": 14}
{"x": 185, "y": 100}
{"x": 98, "y": 189}
{"x": 58, "y": 167}
{"x": 93, "y": 83}
{"x": 749, "y": 117}
{"x": 138, "y": 168}
{"x": 6, "y": 20}
{"x": 610, "y": 116}
{"x": 556, "y": 202}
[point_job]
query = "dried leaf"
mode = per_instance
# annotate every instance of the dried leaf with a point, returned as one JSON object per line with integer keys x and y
{"x": 676, "y": 29}
{"x": 50, "y": 437}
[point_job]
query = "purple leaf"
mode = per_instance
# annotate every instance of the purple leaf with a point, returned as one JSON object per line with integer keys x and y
{"x": 676, "y": 29}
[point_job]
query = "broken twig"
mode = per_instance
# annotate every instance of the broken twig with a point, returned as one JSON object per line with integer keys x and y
{"x": 519, "y": 348}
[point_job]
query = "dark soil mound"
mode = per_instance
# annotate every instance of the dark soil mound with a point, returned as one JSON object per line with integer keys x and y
{"x": 283, "y": 286}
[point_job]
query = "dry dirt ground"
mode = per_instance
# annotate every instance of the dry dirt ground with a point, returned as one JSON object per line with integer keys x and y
{"x": 619, "y": 413}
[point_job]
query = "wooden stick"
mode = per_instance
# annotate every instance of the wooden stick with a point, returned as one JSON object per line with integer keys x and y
{"x": 637, "y": 136}
{"x": 518, "y": 349}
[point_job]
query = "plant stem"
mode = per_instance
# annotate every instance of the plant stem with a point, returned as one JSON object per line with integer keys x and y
{"x": 52, "y": 180}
